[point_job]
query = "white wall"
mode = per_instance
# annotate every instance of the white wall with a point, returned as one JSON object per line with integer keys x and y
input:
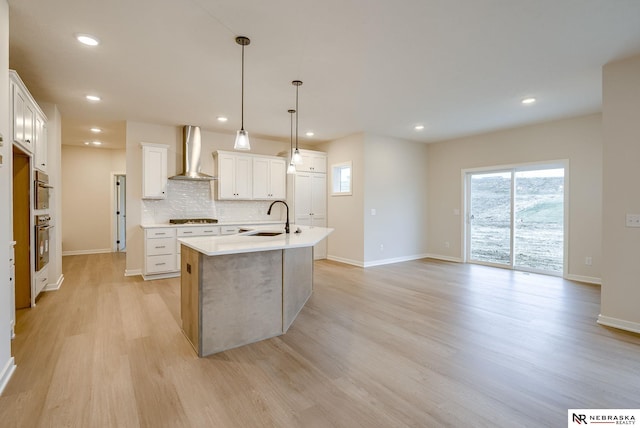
{"x": 172, "y": 136}
{"x": 395, "y": 185}
{"x": 577, "y": 139}
{"x": 87, "y": 196}
{"x": 390, "y": 176}
{"x": 621, "y": 159}
{"x": 346, "y": 213}
{"x": 6, "y": 360}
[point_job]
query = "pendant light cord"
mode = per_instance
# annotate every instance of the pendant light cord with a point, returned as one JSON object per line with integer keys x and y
{"x": 297, "y": 86}
{"x": 242, "y": 97}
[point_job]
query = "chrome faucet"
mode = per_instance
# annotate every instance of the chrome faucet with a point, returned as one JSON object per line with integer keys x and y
{"x": 286, "y": 226}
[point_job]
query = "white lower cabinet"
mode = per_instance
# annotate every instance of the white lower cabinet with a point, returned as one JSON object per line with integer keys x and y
{"x": 159, "y": 251}
{"x": 162, "y": 249}
{"x": 42, "y": 279}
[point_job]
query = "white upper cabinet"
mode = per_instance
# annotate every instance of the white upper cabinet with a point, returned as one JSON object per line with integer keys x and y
{"x": 26, "y": 117}
{"x": 154, "y": 171}
{"x": 269, "y": 178}
{"x": 312, "y": 161}
{"x": 234, "y": 176}
{"x": 40, "y": 146}
{"x": 247, "y": 177}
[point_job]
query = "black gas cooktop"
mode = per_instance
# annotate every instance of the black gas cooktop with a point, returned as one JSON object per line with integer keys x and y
{"x": 193, "y": 220}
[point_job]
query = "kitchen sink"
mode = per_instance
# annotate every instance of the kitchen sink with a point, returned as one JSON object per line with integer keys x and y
{"x": 266, "y": 234}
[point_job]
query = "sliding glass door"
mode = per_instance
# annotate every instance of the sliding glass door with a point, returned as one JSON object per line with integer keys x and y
{"x": 515, "y": 218}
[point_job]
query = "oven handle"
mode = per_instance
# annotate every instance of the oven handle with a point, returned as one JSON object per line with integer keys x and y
{"x": 46, "y": 186}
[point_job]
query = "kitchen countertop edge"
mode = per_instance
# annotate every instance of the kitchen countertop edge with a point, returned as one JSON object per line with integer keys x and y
{"x": 226, "y": 223}
{"x": 246, "y": 243}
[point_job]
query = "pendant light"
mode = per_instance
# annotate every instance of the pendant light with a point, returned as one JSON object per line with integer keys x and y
{"x": 242, "y": 137}
{"x": 291, "y": 169}
{"x": 296, "y": 159}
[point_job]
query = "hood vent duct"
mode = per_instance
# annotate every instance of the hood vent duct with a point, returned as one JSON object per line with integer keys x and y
{"x": 191, "y": 148}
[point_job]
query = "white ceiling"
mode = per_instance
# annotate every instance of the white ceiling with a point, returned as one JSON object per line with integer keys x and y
{"x": 459, "y": 67}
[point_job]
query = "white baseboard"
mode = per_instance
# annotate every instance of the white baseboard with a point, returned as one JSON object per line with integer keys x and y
{"x": 160, "y": 276}
{"x": 394, "y": 260}
{"x": 633, "y": 327}
{"x": 444, "y": 258}
{"x": 347, "y": 261}
{"x": 53, "y": 286}
{"x": 132, "y": 272}
{"x": 84, "y": 252}
{"x": 6, "y": 373}
{"x": 587, "y": 279}
{"x": 376, "y": 262}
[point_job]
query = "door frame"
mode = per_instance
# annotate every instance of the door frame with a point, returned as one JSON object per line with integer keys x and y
{"x": 528, "y": 166}
{"x": 113, "y": 205}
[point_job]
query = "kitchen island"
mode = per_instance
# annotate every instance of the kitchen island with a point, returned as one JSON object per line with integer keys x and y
{"x": 243, "y": 288}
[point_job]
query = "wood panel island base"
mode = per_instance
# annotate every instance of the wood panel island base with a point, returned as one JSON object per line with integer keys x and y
{"x": 241, "y": 289}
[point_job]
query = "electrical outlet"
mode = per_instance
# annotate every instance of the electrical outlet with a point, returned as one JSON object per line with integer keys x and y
{"x": 633, "y": 220}
{"x": 446, "y": 244}
{"x": 381, "y": 247}
{"x": 588, "y": 261}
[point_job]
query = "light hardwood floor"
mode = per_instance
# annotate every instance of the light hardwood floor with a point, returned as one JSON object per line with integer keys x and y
{"x": 420, "y": 344}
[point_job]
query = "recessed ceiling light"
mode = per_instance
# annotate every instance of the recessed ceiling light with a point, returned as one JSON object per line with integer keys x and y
{"x": 86, "y": 143}
{"x": 96, "y": 143}
{"x": 87, "y": 39}
{"x": 309, "y": 134}
{"x": 96, "y": 130}
{"x": 418, "y": 127}
{"x": 93, "y": 98}
{"x": 222, "y": 118}
{"x": 528, "y": 100}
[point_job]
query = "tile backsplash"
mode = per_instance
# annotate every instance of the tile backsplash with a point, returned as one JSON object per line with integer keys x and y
{"x": 194, "y": 199}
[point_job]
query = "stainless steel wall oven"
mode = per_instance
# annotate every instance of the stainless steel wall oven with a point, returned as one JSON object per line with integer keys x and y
{"x": 42, "y": 227}
{"x": 41, "y": 189}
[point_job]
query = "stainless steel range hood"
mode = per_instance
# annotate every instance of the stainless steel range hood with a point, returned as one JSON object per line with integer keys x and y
{"x": 191, "y": 148}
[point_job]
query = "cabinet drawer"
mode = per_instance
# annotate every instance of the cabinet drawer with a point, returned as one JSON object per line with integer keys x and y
{"x": 160, "y": 246}
{"x": 164, "y": 263}
{"x": 228, "y": 230}
{"x": 198, "y": 231}
{"x": 165, "y": 232}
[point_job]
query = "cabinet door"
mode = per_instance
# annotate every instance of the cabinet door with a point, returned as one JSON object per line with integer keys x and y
{"x": 261, "y": 178}
{"x": 319, "y": 194}
{"x": 40, "y": 146}
{"x": 303, "y": 199}
{"x": 29, "y": 124}
{"x": 243, "y": 182}
{"x": 226, "y": 176}
{"x": 278, "y": 179}
{"x": 319, "y": 163}
{"x": 154, "y": 172}
{"x": 18, "y": 115}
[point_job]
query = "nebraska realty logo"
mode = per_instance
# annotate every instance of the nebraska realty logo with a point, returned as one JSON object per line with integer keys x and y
{"x": 579, "y": 417}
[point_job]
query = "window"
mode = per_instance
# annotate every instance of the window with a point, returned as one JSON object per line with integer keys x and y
{"x": 341, "y": 179}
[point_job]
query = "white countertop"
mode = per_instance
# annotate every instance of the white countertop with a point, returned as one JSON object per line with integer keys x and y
{"x": 246, "y": 243}
{"x": 222, "y": 223}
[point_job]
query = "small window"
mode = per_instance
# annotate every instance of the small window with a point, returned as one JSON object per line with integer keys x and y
{"x": 341, "y": 179}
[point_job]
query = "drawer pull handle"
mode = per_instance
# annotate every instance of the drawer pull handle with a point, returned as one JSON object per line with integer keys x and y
{"x": 158, "y": 233}
{"x": 187, "y": 232}
{"x": 160, "y": 264}
{"x": 160, "y": 246}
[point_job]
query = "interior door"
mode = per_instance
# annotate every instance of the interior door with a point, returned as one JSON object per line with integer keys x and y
{"x": 121, "y": 213}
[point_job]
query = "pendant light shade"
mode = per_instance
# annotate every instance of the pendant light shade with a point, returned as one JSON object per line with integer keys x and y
{"x": 242, "y": 137}
{"x": 296, "y": 159}
{"x": 291, "y": 169}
